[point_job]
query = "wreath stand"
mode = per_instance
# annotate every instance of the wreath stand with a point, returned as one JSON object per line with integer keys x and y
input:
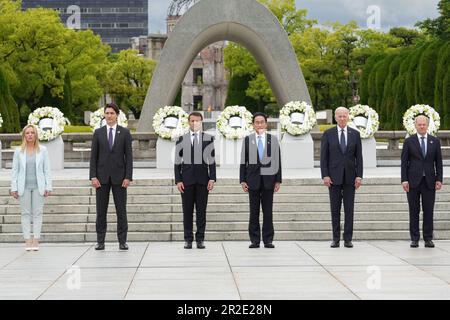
{"x": 228, "y": 153}
{"x": 165, "y": 153}
{"x": 369, "y": 151}
{"x": 297, "y": 152}
{"x": 55, "y": 150}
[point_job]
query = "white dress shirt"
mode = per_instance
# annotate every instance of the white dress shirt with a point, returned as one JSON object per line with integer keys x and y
{"x": 192, "y": 136}
{"x": 263, "y": 139}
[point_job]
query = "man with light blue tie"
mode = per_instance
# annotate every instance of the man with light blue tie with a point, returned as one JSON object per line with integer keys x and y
{"x": 421, "y": 177}
{"x": 260, "y": 176}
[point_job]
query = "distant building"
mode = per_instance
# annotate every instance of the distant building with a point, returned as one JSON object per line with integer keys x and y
{"x": 116, "y": 21}
{"x": 205, "y": 85}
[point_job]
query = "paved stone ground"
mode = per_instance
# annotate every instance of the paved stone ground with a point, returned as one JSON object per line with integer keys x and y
{"x": 226, "y": 270}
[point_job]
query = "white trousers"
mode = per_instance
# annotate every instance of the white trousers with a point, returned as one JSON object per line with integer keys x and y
{"x": 31, "y": 207}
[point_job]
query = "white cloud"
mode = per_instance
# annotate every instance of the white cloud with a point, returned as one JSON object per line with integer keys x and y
{"x": 393, "y": 12}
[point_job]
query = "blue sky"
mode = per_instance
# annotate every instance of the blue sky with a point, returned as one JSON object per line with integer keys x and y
{"x": 393, "y": 13}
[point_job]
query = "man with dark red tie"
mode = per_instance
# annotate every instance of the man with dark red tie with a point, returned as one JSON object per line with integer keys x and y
{"x": 111, "y": 167}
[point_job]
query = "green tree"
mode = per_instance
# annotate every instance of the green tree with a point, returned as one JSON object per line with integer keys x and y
{"x": 128, "y": 80}
{"x": 439, "y": 27}
{"x": 8, "y": 107}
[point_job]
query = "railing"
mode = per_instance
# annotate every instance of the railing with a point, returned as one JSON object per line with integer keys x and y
{"x": 77, "y": 146}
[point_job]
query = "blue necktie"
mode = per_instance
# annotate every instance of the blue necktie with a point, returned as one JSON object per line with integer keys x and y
{"x": 260, "y": 148}
{"x": 110, "y": 140}
{"x": 422, "y": 146}
{"x": 342, "y": 142}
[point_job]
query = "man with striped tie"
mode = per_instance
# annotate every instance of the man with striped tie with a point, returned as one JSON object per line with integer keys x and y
{"x": 260, "y": 176}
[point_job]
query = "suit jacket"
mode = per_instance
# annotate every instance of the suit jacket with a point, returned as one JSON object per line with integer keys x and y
{"x": 116, "y": 164}
{"x": 252, "y": 168}
{"x": 43, "y": 177}
{"x": 333, "y": 163}
{"x": 414, "y": 165}
{"x": 195, "y": 165}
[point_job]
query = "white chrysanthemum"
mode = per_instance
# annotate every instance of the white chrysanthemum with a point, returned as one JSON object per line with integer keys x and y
{"x": 59, "y": 122}
{"x": 170, "y": 133}
{"x": 98, "y": 116}
{"x": 410, "y": 116}
{"x": 230, "y": 133}
{"x": 300, "y": 107}
{"x": 373, "y": 122}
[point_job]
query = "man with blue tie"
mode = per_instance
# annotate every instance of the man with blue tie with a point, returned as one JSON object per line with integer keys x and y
{"x": 111, "y": 167}
{"x": 341, "y": 165}
{"x": 421, "y": 177}
{"x": 260, "y": 176}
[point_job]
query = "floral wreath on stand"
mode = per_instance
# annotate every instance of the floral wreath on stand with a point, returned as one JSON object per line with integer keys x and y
{"x": 170, "y": 122}
{"x": 410, "y": 115}
{"x": 98, "y": 116}
{"x": 50, "y": 122}
{"x": 232, "y": 132}
{"x": 369, "y": 124}
{"x": 306, "y": 122}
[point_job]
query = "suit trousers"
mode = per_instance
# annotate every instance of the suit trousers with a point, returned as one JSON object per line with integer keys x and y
{"x": 120, "y": 201}
{"x": 196, "y": 194}
{"x": 257, "y": 198}
{"x": 338, "y": 193}
{"x": 428, "y": 199}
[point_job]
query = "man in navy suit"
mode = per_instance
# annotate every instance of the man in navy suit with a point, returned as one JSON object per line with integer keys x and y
{"x": 341, "y": 164}
{"x": 195, "y": 175}
{"x": 421, "y": 176}
{"x": 111, "y": 167}
{"x": 260, "y": 176}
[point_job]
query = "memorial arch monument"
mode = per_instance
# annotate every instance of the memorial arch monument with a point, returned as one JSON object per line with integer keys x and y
{"x": 246, "y": 22}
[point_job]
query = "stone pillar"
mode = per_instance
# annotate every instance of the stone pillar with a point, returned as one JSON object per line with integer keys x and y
{"x": 55, "y": 150}
{"x": 369, "y": 150}
{"x": 297, "y": 152}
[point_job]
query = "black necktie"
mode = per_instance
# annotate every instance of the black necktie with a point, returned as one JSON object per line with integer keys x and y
{"x": 342, "y": 142}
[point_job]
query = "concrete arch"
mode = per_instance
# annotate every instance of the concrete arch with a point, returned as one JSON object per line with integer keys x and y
{"x": 246, "y": 22}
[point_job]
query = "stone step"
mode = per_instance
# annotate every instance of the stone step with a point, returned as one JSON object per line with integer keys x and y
{"x": 223, "y": 226}
{"x": 220, "y": 217}
{"x": 223, "y": 199}
{"x": 223, "y": 208}
{"x": 390, "y": 182}
{"x": 220, "y": 236}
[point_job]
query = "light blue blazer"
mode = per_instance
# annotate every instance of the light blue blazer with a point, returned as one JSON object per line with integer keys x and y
{"x": 44, "y": 181}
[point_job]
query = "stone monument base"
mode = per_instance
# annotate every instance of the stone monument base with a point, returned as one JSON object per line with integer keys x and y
{"x": 55, "y": 150}
{"x": 297, "y": 152}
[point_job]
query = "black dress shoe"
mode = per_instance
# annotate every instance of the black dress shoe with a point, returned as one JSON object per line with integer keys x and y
{"x": 100, "y": 246}
{"x": 414, "y": 244}
{"x": 188, "y": 245}
{"x": 348, "y": 244}
{"x": 254, "y": 245}
{"x": 429, "y": 244}
{"x": 269, "y": 245}
{"x": 335, "y": 244}
{"x": 200, "y": 245}
{"x": 123, "y": 246}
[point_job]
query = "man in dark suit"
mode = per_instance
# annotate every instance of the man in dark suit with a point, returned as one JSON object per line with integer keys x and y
{"x": 111, "y": 167}
{"x": 341, "y": 164}
{"x": 260, "y": 176}
{"x": 195, "y": 175}
{"x": 421, "y": 176}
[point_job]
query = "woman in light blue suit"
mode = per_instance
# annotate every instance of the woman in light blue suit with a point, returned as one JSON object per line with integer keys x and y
{"x": 30, "y": 183}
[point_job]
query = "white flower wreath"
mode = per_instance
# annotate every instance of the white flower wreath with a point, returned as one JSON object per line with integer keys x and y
{"x": 370, "y": 114}
{"x": 235, "y": 133}
{"x": 166, "y": 132}
{"x": 58, "y": 122}
{"x": 410, "y": 116}
{"x": 98, "y": 116}
{"x": 294, "y": 129}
